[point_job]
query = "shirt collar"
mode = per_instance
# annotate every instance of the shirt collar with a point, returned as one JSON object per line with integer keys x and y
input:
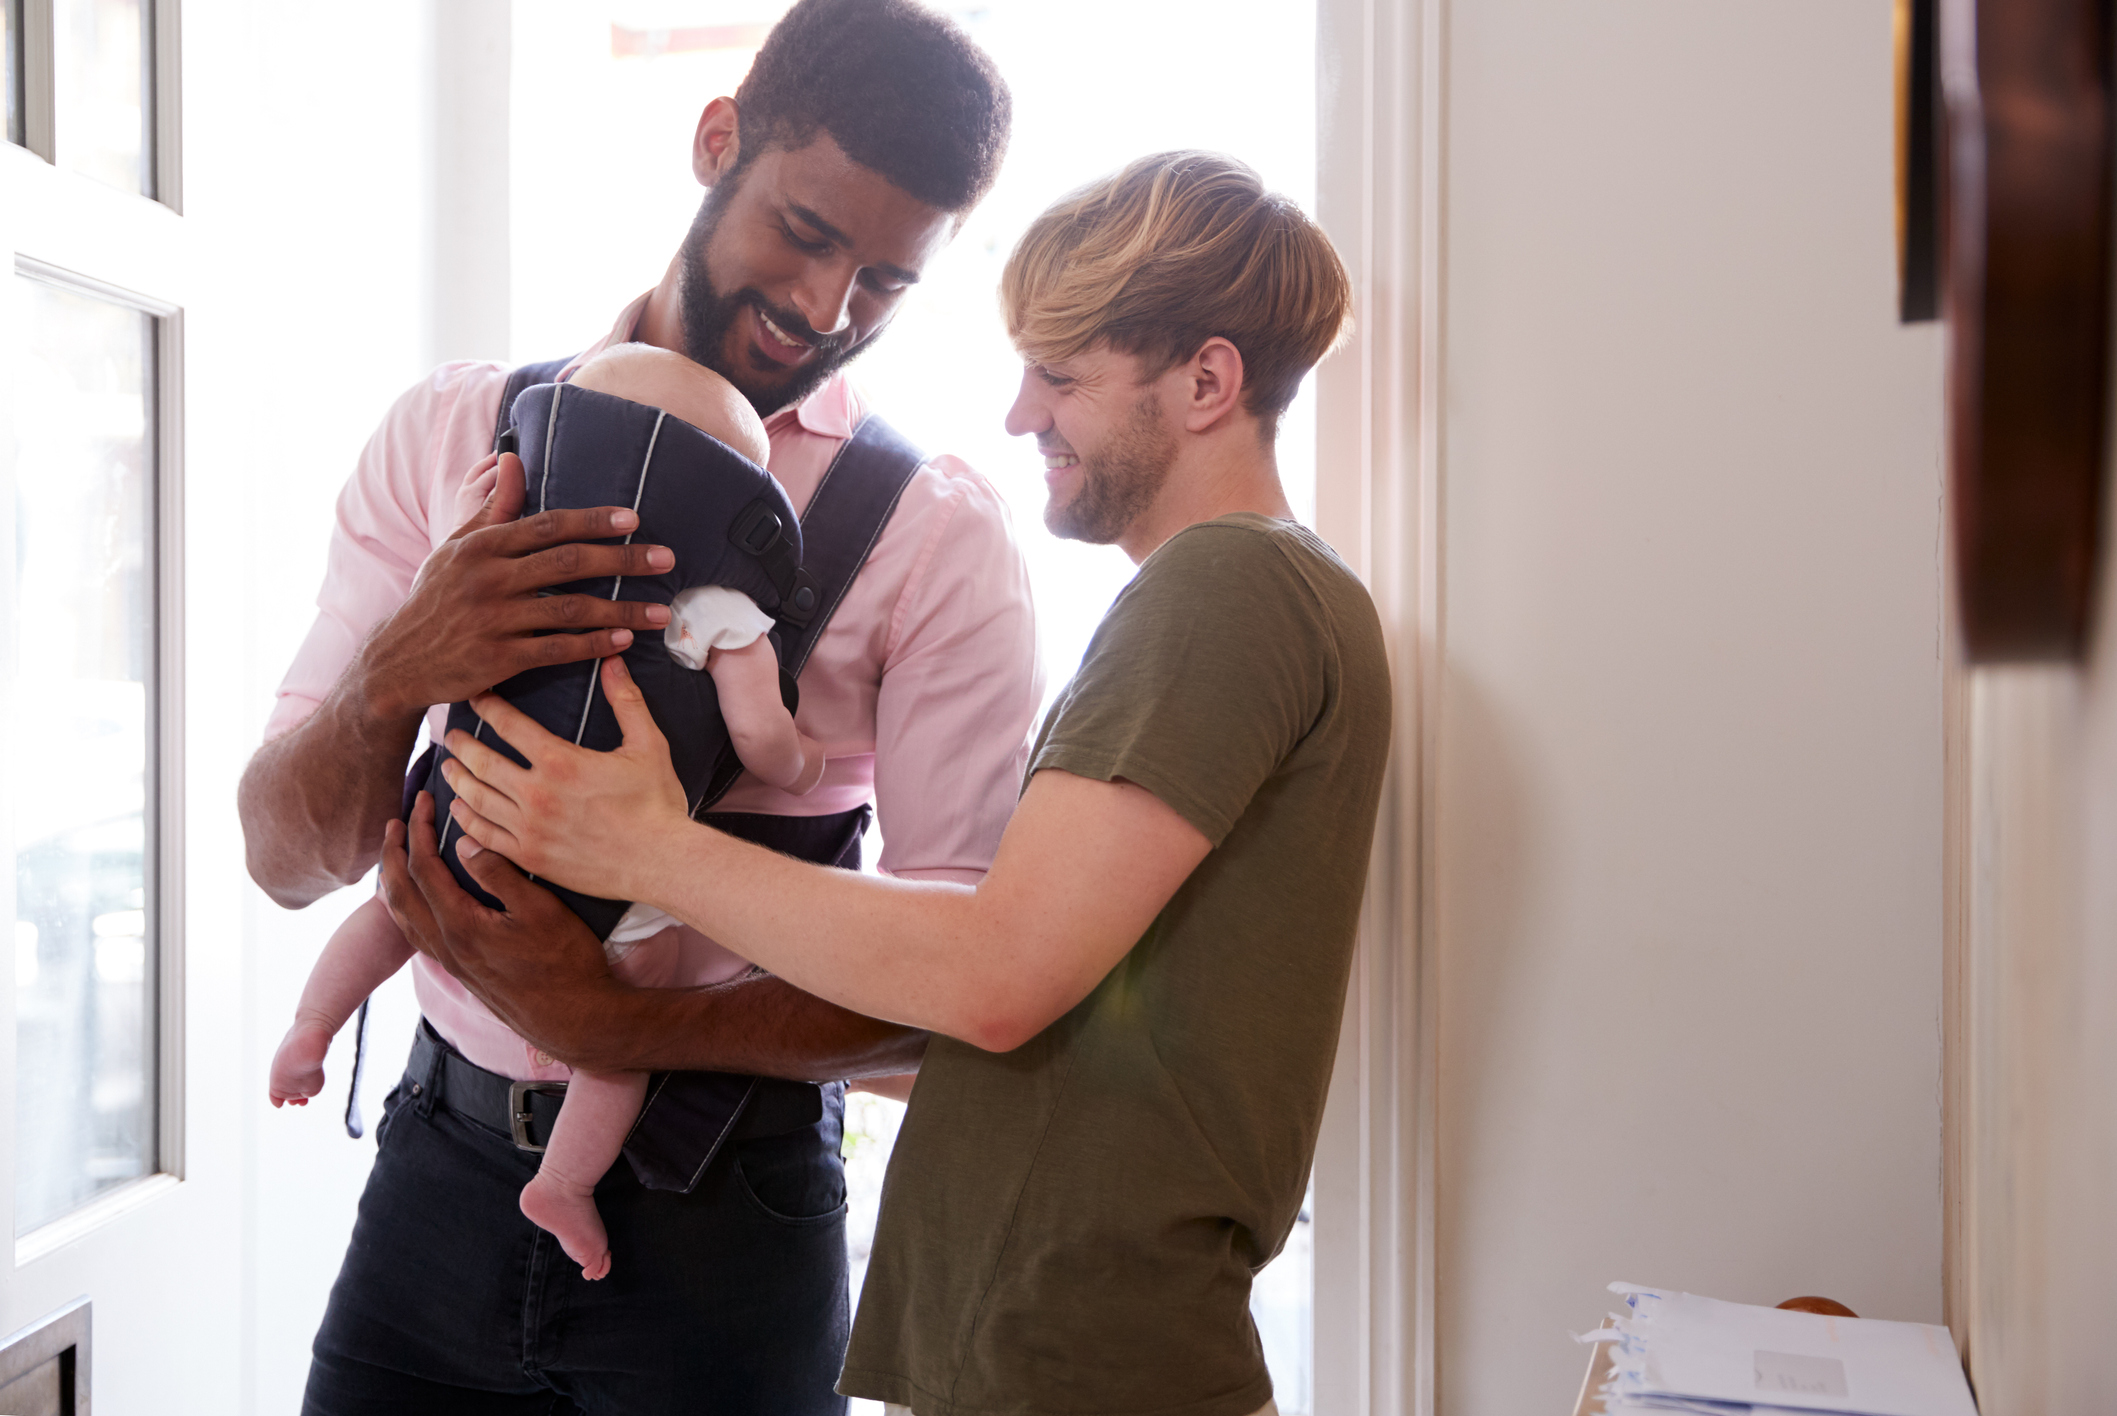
{"x": 831, "y": 411}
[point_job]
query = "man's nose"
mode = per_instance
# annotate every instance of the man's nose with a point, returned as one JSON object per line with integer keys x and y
{"x": 1028, "y": 415}
{"x": 825, "y": 298}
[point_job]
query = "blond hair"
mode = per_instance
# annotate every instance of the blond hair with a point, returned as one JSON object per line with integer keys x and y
{"x": 1164, "y": 255}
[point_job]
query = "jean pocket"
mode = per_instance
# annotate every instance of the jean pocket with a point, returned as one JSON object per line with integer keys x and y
{"x": 390, "y": 1104}
{"x": 791, "y": 1183}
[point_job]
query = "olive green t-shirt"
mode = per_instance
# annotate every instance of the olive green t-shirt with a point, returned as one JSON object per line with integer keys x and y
{"x": 1071, "y": 1227}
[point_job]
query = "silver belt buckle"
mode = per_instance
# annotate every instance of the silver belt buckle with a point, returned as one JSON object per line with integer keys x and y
{"x": 519, "y": 1116}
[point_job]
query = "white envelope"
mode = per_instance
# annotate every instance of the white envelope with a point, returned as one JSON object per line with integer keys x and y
{"x": 1682, "y": 1346}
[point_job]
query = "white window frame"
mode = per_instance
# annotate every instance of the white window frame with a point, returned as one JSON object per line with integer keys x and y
{"x": 132, "y": 250}
{"x": 41, "y": 132}
{"x": 1378, "y": 495}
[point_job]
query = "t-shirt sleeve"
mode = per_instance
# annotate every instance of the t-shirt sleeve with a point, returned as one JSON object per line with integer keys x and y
{"x": 1206, "y": 673}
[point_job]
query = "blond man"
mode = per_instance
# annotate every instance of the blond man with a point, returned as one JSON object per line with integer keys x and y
{"x": 1134, "y": 1014}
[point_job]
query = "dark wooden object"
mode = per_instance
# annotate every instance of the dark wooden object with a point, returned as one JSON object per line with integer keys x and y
{"x": 1918, "y": 160}
{"x": 2026, "y": 85}
{"x": 44, "y": 1368}
{"x": 1827, "y": 1307}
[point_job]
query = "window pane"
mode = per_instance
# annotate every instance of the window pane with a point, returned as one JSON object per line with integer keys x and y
{"x": 78, "y": 752}
{"x": 11, "y": 59}
{"x": 101, "y": 62}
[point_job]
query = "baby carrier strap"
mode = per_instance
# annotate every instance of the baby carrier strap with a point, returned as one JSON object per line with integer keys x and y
{"x": 854, "y": 501}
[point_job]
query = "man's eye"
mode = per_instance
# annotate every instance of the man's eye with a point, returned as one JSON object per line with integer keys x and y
{"x": 812, "y": 248}
{"x": 1055, "y": 380}
{"x": 879, "y": 285}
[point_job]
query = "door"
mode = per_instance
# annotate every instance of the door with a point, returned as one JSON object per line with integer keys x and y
{"x": 117, "y": 1177}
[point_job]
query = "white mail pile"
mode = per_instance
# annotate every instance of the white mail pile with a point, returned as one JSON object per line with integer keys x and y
{"x": 1679, "y": 1352}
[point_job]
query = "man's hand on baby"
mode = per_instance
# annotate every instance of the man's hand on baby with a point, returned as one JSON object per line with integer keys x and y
{"x": 535, "y": 964}
{"x": 574, "y": 816}
{"x": 476, "y": 615}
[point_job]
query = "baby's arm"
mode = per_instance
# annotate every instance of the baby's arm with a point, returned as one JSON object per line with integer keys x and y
{"x": 758, "y": 721}
{"x": 365, "y": 951}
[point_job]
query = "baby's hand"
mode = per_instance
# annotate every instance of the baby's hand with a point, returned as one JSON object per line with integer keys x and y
{"x": 471, "y": 496}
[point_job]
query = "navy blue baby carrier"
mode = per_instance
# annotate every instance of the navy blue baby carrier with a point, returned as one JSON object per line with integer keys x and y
{"x": 730, "y": 524}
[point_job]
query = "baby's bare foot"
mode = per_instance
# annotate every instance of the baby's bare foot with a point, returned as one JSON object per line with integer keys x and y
{"x": 297, "y": 1068}
{"x": 570, "y": 1217}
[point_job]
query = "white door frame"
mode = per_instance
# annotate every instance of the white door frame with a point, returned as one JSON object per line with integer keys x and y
{"x": 1378, "y": 497}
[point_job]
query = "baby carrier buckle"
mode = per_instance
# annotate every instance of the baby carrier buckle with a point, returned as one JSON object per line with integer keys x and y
{"x": 519, "y": 1115}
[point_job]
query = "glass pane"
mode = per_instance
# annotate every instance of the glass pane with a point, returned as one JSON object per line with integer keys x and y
{"x": 77, "y": 752}
{"x": 11, "y": 60}
{"x": 101, "y": 64}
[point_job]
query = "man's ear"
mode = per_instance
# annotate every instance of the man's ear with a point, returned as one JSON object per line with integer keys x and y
{"x": 1213, "y": 384}
{"x": 717, "y": 143}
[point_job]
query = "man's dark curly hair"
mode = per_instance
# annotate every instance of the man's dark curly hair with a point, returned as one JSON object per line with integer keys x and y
{"x": 901, "y": 89}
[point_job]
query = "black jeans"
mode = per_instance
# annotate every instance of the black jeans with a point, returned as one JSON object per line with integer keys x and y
{"x": 729, "y": 1300}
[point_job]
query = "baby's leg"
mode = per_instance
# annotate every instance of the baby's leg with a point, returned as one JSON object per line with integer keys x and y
{"x": 763, "y": 731}
{"x": 598, "y": 1114}
{"x": 366, "y": 950}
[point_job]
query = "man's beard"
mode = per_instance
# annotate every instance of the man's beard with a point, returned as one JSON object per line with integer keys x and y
{"x": 707, "y": 316}
{"x": 1118, "y": 480}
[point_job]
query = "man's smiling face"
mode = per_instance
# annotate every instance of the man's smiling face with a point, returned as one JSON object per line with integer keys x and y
{"x": 795, "y": 263}
{"x": 1106, "y": 440}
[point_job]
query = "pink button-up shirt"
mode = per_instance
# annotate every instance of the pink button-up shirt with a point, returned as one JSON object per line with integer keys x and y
{"x": 921, "y": 689}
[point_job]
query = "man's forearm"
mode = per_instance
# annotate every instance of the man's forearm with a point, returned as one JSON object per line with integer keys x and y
{"x": 758, "y": 1026}
{"x": 313, "y": 802}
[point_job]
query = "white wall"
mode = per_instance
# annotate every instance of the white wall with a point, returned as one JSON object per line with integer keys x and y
{"x": 1689, "y": 771}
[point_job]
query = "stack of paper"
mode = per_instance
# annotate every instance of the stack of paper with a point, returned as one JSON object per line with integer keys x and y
{"x": 1678, "y": 1352}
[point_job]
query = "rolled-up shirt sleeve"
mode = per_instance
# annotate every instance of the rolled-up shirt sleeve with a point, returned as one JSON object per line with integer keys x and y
{"x": 384, "y": 529}
{"x": 959, "y": 693}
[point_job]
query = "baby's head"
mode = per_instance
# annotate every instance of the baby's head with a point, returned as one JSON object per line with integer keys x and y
{"x": 692, "y": 392}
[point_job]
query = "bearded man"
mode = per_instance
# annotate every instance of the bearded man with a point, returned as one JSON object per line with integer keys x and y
{"x": 838, "y": 172}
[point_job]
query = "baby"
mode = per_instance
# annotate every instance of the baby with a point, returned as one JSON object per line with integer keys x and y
{"x": 714, "y": 628}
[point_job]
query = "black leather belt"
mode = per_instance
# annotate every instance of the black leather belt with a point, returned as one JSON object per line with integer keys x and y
{"x": 687, "y": 1117}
